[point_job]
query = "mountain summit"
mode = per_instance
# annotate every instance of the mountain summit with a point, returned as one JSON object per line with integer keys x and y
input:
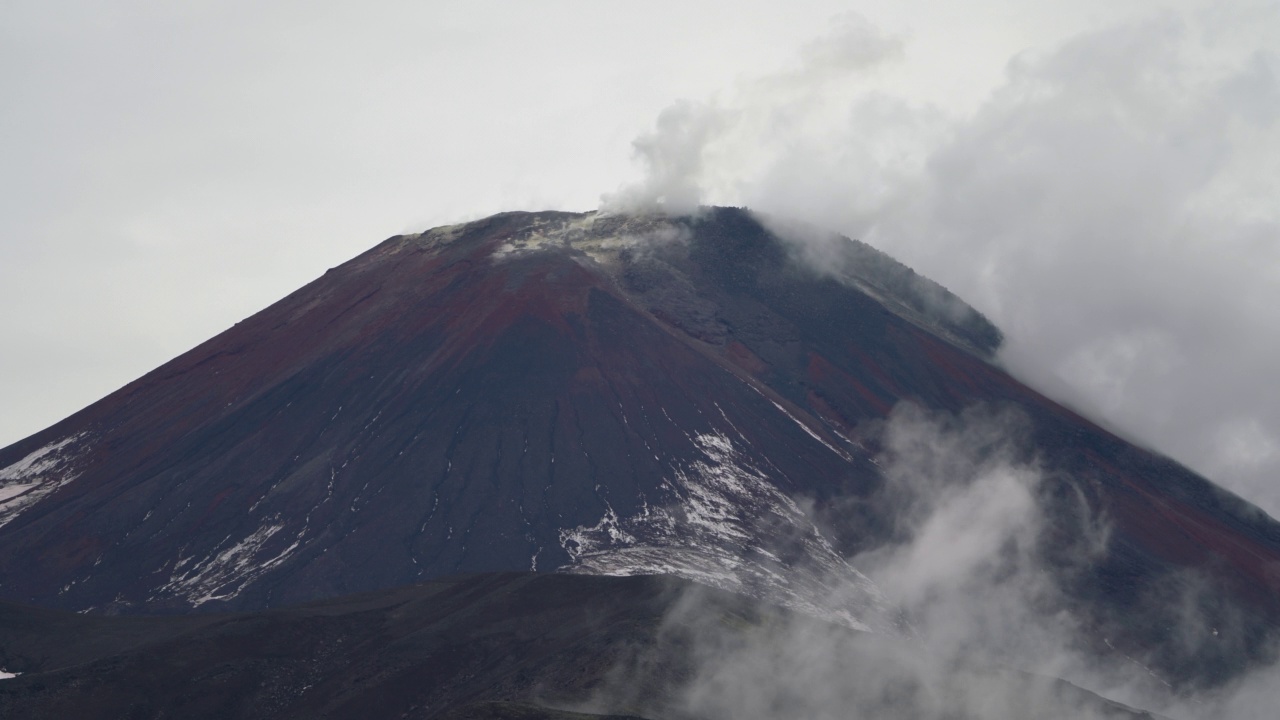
{"x": 606, "y": 394}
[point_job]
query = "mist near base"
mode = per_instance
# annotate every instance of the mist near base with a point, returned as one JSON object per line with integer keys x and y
{"x": 1109, "y": 206}
{"x": 987, "y": 630}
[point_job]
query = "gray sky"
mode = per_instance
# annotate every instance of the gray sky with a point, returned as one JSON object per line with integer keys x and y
{"x": 1098, "y": 177}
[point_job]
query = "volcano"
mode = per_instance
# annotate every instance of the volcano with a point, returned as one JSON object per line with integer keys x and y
{"x": 593, "y": 394}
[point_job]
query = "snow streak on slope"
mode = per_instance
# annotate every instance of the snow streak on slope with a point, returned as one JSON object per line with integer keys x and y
{"x": 225, "y": 574}
{"x": 723, "y": 522}
{"x": 38, "y": 475}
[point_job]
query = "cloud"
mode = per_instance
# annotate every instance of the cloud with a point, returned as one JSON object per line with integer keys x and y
{"x": 971, "y": 566}
{"x": 962, "y": 567}
{"x": 695, "y": 145}
{"x": 1101, "y": 209}
{"x": 1110, "y": 206}
{"x": 672, "y": 156}
{"x": 993, "y": 633}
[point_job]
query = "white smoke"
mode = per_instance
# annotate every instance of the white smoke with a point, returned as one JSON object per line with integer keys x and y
{"x": 673, "y": 159}
{"x": 992, "y": 634}
{"x": 697, "y": 145}
{"x": 1110, "y": 207}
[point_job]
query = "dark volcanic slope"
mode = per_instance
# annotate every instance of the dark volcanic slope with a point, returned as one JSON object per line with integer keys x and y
{"x": 422, "y": 410}
{"x": 530, "y": 391}
{"x": 503, "y": 647}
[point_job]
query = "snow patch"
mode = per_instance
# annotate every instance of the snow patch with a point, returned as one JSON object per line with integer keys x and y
{"x": 583, "y": 539}
{"x": 39, "y": 474}
{"x": 14, "y": 490}
{"x": 225, "y": 574}
{"x": 723, "y": 522}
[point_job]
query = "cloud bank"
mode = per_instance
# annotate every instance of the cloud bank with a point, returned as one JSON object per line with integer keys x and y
{"x": 990, "y": 630}
{"x": 1110, "y": 206}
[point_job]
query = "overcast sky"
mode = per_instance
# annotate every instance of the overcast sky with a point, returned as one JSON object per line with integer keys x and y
{"x": 1098, "y": 177}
